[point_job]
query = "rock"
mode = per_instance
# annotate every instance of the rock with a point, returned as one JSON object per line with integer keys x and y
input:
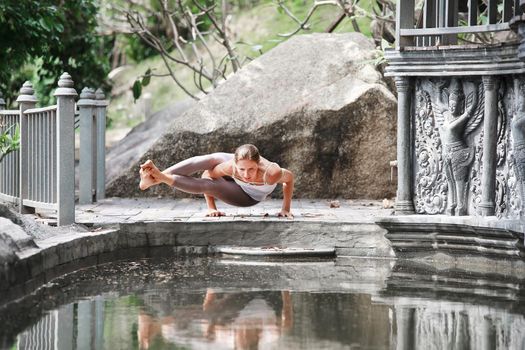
{"x": 140, "y": 139}
{"x": 12, "y": 240}
{"x": 315, "y": 104}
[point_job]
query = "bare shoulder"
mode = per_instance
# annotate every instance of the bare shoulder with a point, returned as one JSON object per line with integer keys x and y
{"x": 276, "y": 174}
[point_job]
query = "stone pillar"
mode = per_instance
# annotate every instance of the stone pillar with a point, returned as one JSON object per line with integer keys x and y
{"x": 404, "y": 203}
{"x": 490, "y": 126}
{"x": 101, "y": 144}
{"x": 26, "y": 100}
{"x": 86, "y": 106}
{"x": 65, "y": 132}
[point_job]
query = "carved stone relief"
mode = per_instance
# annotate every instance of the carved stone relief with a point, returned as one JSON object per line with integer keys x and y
{"x": 453, "y": 110}
{"x": 518, "y": 144}
{"x": 449, "y": 146}
{"x": 431, "y": 183}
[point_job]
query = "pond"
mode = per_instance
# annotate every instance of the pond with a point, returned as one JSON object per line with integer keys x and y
{"x": 228, "y": 303}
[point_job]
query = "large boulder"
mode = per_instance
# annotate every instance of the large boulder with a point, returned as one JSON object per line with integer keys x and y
{"x": 315, "y": 104}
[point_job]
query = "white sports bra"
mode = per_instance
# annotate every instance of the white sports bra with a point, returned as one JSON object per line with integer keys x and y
{"x": 259, "y": 192}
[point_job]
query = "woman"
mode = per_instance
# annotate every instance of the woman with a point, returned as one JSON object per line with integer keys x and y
{"x": 242, "y": 179}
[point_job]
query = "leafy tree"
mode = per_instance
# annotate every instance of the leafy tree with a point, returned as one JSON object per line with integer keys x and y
{"x": 43, "y": 38}
{"x": 187, "y": 34}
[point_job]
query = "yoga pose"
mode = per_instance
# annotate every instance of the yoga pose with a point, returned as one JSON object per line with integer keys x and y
{"x": 242, "y": 179}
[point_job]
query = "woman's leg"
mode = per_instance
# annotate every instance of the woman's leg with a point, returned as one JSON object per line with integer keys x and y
{"x": 199, "y": 163}
{"x": 227, "y": 191}
{"x": 175, "y": 176}
{"x": 185, "y": 167}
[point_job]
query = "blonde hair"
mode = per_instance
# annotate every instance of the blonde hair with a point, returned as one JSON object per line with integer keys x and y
{"x": 247, "y": 152}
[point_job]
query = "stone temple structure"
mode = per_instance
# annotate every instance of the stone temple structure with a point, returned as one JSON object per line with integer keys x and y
{"x": 460, "y": 74}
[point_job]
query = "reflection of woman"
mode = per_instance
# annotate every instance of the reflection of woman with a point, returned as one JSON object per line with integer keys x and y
{"x": 255, "y": 317}
{"x": 229, "y": 320}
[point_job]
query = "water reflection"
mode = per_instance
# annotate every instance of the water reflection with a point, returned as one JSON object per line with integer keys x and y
{"x": 223, "y": 321}
{"x": 451, "y": 326}
{"x": 214, "y": 320}
{"x": 410, "y": 309}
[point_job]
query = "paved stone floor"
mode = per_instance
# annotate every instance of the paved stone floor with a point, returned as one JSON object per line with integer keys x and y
{"x": 129, "y": 210}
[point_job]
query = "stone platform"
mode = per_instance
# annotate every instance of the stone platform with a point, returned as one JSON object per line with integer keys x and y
{"x": 133, "y": 210}
{"x": 345, "y": 227}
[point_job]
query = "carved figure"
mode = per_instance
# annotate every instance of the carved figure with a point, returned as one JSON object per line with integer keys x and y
{"x": 518, "y": 136}
{"x": 457, "y": 117}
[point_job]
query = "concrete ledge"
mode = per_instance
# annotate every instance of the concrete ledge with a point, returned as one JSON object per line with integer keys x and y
{"x": 354, "y": 239}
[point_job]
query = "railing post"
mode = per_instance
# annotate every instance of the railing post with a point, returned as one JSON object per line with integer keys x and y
{"x": 26, "y": 100}
{"x": 65, "y": 95}
{"x": 405, "y": 12}
{"x": 451, "y": 14}
{"x": 492, "y": 11}
{"x": 86, "y": 106}
{"x": 101, "y": 144}
{"x": 430, "y": 19}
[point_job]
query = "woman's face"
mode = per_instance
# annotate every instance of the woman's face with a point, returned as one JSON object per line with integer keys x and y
{"x": 247, "y": 169}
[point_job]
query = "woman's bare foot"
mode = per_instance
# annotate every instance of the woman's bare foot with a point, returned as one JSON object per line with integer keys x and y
{"x": 147, "y": 175}
{"x": 146, "y": 180}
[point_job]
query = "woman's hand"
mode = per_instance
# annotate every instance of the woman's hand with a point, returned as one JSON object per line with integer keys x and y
{"x": 215, "y": 213}
{"x": 285, "y": 214}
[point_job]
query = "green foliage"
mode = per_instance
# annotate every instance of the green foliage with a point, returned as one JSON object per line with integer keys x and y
{"x": 9, "y": 141}
{"x": 139, "y": 83}
{"x": 137, "y": 90}
{"x": 55, "y": 36}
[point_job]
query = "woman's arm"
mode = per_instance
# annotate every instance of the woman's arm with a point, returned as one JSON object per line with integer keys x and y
{"x": 222, "y": 169}
{"x": 276, "y": 174}
{"x": 210, "y": 200}
{"x": 287, "y": 180}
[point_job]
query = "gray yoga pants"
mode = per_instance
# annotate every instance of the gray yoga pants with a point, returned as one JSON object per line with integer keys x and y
{"x": 225, "y": 190}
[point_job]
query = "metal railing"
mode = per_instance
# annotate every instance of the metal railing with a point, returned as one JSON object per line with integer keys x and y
{"x": 9, "y": 167}
{"x": 41, "y": 174}
{"x": 439, "y": 21}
